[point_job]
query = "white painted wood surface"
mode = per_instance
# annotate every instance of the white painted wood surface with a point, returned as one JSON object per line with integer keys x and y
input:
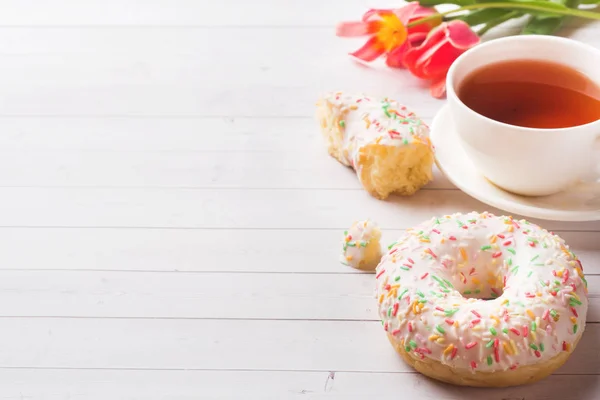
{"x": 170, "y": 221}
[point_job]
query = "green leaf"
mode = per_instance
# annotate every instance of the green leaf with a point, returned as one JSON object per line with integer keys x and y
{"x": 542, "y": 15}
{"x": 498, "y": 21}
{"x": 542, "y": 9}
{"x": 543, "y": 26}
{"x": 548, "y": 5}
{"x": 540, "y": 3}
{"x": 478, "y": 17}
{"x": 590, "y": 2}
{"x": 432, "y": 3}
{"x": 569, "y": 3}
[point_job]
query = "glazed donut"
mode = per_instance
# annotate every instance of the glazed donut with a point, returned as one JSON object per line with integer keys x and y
{"x": 482, "y": 300}
{"x": 387, "y": 145}
{"x": 361, "y": 248}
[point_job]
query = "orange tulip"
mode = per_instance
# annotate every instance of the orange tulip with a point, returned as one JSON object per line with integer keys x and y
{"x": 388, "y": 33}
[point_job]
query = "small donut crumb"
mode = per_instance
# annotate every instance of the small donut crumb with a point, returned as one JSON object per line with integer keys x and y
{"x": 361, "y": 247}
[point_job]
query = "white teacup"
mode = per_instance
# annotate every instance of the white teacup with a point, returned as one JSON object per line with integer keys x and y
{"x": 526, "y": 161}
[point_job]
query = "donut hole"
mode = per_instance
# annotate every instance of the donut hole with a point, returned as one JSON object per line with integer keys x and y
{"x": 486, "y": 293}
{"x": 481, "y": 287}
{"x": 482, "y": 278}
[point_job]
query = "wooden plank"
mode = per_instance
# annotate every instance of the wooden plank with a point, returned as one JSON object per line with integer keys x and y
{"x": 389, "y": 386}
{"x": 104, "y": 294}
{"x": 274, "y": 13}
{"x": 220, "y": 344}
{"x": 258, "y": 153}
{"x": 183, "y": 12}
{"x": 157, "y": 72}
{"x": 295, "y": 170}
{"x": 85, "y": 103}
{"x": 35, "y": 384}
{"x": 222, "y": 208}
{"x": 172, "y": 72}
{"x": 204, "y": 250}
{"x": 161, "y": 134}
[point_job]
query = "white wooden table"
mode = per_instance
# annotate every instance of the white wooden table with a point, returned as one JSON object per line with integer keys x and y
{"x": 170, "y": 220}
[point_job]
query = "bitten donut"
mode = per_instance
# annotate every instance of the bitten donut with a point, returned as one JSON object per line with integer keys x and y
{"x": 387, "y": 145}
{"x": 432, "y": 288}
{"x": 361, "y": 248}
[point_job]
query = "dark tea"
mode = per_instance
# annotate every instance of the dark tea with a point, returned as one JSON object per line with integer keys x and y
{"x": 531, "y": 93}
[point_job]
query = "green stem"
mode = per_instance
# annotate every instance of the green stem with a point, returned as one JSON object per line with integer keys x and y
{"x": 529, "y": 7}
{"x": 495, "y": 22}
{"x": 450, "y": 18}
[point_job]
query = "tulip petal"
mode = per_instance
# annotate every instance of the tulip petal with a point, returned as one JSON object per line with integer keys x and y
{"x": 418, "y": 12}
{"x": 369, "y": 14}
{"x": 438, "y": 88}
{"x": 459, "y": 38}
{"x": 432, "y": 59}
{"x": 425, "y": 27}
{"x": 406, "y": 13}
{"x": 416, "y": 38}
{"x": 375, "y": 13}
{"x": 439, "y": 59}
{"x": 392, "y": 33}
{"x": 395, "y": 58}
{"x": 415, "y": 58}
{"x": 460, "y": 35}
{"x": 410, "y": 12}
{"x": 350, "y": 29}
{"x": 370, "y": 51}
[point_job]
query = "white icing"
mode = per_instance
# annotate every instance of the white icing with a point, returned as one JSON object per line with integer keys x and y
{"x": 364, "y": 120}
{"x": 541, "y": 311}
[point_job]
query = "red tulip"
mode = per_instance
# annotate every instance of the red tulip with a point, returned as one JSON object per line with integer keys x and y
{"x": 432, "y": 59}
{"x": 389, "y": 35}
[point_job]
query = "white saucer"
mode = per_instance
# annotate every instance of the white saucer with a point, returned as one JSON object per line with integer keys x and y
{"x": 580, "y": 203}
